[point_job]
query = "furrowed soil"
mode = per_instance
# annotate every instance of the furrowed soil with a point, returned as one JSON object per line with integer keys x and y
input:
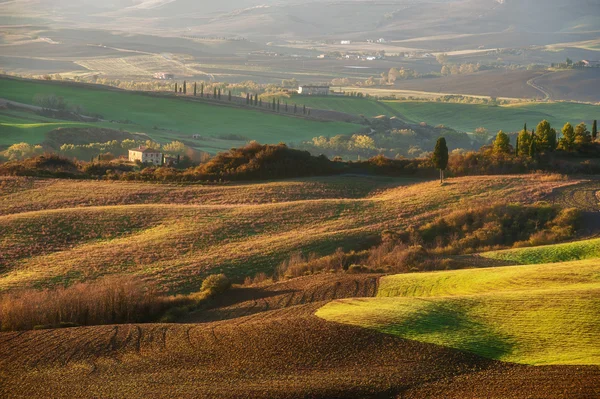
{"x": 285, "y": 352}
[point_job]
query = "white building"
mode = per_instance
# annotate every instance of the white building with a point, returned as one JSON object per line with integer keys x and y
{"x": 146, "y": 155}
{"x": 310, "y": 90}
{"x": 345, "y": 42}
{"x": 591, "y": 64}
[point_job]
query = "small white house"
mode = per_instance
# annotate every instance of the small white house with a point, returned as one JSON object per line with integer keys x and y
{"x": 146, "y": 155}
{"x": 310, "y": 90}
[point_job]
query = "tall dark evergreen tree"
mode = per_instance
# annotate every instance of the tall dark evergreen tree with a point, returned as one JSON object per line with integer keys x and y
{"x": 278, "y": 105}
{"x": 286, "y": 106}
{"x": 304, "y": 109}
{"x": 295, "y": 108}
{"x": 215, "y": 93}
{"x": 219, "y": 93}
{"x": 274, "y": 104}
{"x": 176, "y": 90}
{"x": 256, "y": 100}
{"x": 259, "y": 101}
{"x": 229, "y": 96}
{"x": 595, "y": 130}
{"x": 517, "y": 146}
{"x": 195, "y": 89}
{"x": 440, "y": 157}
{"x": 202, "y": 90}
{"x": 184, "y": 87}
{"x": 532, "y": 146}
{"x": 247, "y": 98}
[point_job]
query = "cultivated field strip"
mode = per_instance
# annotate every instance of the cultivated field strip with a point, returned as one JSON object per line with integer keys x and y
{"x": 535, "y": 314}
{"x": 287, "y": 353}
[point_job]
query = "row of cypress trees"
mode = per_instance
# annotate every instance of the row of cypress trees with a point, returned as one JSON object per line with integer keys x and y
{"x": 250, "y": 99}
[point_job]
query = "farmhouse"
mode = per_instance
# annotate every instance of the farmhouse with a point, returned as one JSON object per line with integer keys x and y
{"x": 146, "y": 155}
{"x": 591, "y": 64}
{"x": 313, "y": 90}
{"x": 164, "y": 76}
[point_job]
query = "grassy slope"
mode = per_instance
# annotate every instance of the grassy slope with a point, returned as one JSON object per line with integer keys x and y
{"x": 468, "y": 117}
{"x": 580, "y": 250}
{"x": 539, "y": 314}
{"x": 181, "y": 119}
{"x": 349, "y": 105}
{"x": 176, "y": 234}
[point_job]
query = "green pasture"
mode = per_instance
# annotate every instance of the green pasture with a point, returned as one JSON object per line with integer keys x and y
{"x": 163, "y": 119}
{"x": 537, "y": 314}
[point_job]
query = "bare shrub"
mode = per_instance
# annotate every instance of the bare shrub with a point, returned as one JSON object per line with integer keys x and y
{"x": 107, "y": 301}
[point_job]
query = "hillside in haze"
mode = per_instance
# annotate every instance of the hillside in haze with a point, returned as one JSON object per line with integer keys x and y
{"x": 292, "y": 19}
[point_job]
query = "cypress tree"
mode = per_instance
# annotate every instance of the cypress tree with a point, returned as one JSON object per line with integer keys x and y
{"x": 259, "y": 101}
{"x": 595, "y": 130}
{"x": 195, "y": 89}
{"x": 278, "y": 104}
{"x": 202, "y": 90}
{"x": 176, "y": 90}
{"x": 517, "y": 146}
{"x": 304, "y": 109}
{"x": 184, "y": 87}
{"x": 286, "y": 106}
{"x": 532, "y": 148}
{"x": 247, "y": 98}
{"x": 256, "y": 100}
{"x": 215, "y": 92}
{"x": 219, "y": 93}
{"x": 274, "y": 104}
{"x": 295, "y": 108}
{"x": 525, "y": 127}
{"x": 229, "y": 96}
{"x": 440, "y": 157}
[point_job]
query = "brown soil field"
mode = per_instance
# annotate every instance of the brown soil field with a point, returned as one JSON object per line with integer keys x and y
{"x": 284, "y": 353}
{"x": 495, "y": 83}
{"x": 573, "y": 85}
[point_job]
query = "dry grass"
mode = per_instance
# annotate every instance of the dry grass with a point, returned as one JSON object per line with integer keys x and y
{"x": 188, "y": 232}
{"x": 108, "y": 301}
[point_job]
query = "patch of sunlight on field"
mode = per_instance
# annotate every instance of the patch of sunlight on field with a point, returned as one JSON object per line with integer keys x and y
{"x": 579, "y": 250}
{"x": 538, "y": 314}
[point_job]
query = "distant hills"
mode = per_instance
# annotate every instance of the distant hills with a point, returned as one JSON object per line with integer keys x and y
{"x": 547, "y": 20}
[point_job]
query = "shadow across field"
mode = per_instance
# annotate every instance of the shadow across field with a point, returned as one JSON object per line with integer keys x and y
{"x": 437, "y": 318}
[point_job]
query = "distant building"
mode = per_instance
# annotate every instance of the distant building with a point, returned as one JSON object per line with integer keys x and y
{"x": 146, "y": 155}
{"x": 591, "y": 64}
{"x": 313, "y": 90}
{"x": 345, "y": 42}
{"x": 382, "y": 40}
{"x": 164, "y": 76}
{"x": 171, "y": 161}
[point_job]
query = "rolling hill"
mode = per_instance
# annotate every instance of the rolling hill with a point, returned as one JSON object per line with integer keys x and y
{"x": 264, "y": 340}
{"x": 163, "y": 119}
{"x": 539, "y": 315}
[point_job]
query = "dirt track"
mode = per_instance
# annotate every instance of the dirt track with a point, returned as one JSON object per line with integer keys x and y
{"x": 287, "y": 352}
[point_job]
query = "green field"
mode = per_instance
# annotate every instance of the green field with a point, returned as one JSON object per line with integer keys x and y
{"x": 580, "y": 250}
{"x": 163, "y": 119}
{"x": 537, "y": 314}
{"x": 463, "y": 117}
{"x": 349, "y": 105}
{"x": 468, "y": 117}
